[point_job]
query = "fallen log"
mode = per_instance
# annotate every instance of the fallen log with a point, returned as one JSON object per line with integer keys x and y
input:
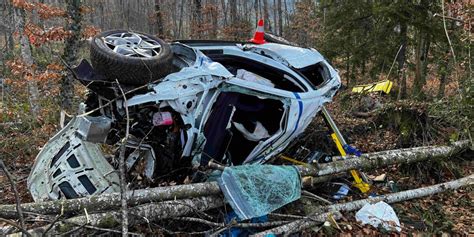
{"x": 323, "y": 212}
{"x": 384, "y": 158}
{"x": 136, "y": 197}
{"x": 151, "y": 211}
{"x": 137, "y": 215}
{"x": 112, "y": 201}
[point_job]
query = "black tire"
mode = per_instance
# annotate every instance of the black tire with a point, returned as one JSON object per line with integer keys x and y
{"x": 127, "y": 69}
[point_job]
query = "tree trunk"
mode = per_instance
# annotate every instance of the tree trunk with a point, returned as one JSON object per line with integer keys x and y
{"x": 325, "y": 211}
{"x": 159, "y": 19}
{"x": 257, "y": 16}
{"x": 275, "y": 18}
{"x": 401, "y": 61}
{"x": 443, "y": 71}
{"x": 25, "y": 48}
{"x": 197, "y": 22}
{"x": 180, "y": 23}
{"x": 266, "y": 19}
{"x": 224, "y": 10}
{"x": 233, "y": 12}
{"x": 136, "y": 197}
{"x": 70, "y": 52}
{"x": 214, "y": 14}
{"x": 421, "y": 55}
{"x": 280, "y": 18}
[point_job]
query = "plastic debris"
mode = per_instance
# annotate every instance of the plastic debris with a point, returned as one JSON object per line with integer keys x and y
{"x": 162, "y": 118}
{"x": 256, "y": 190}
{"x": 379, "y": 215}
{"x": 393, "y": 186}
{"x": 257, "y": 135}
{"x": 342, "y": 192}
{"x": 380, "y": 178}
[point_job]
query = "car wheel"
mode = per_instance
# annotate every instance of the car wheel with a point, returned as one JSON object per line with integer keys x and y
{"x": 131, "y": 57}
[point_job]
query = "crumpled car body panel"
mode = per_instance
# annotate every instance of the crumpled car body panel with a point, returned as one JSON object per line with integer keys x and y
{"x": 71, "y": 167}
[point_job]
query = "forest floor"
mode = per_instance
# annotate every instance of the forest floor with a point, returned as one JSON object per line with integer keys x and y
{"x": 370, "y": 123}
{"x": 393, "y": 126}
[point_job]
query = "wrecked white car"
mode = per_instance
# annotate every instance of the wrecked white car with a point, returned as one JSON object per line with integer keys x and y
{"x": 188, "y": 102}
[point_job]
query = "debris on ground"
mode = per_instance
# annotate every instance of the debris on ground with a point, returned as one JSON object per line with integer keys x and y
{"x": 378, "y": 215}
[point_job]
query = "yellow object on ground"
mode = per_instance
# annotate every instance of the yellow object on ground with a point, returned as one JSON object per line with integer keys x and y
{"x": 358, "y": 183}
{"x": 296, "y": 162}
{"x": 384, "y": 86}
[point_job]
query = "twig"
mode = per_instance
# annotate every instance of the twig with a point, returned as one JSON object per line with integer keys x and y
{"x": 316, "y": 197}
{"x": 448, "y": 17}
{"x": 229, "y": 225}
{"x": 450, "y": 45}
{"x": 101, "y": 229}
{"x": 123, "y": 186}
{"x": 23, "y": 230}
{"x": 115, "y": 99}
{"x": 68, "y": 233}
{"x": 15, "y": 191}
{"x": 52, "y": 224}
{"x": 394, "y": 60}
{"x": 285, "y": 215}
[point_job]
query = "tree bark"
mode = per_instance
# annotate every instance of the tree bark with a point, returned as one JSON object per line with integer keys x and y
{"x": 385, "y": 158}
{"x": 233, "y": 12}
{"x": 266, "y": 19}
{"x": 323, "y": 212}
{"x": 70, "y": 52}
{"x": 112, "y": 201}
{"x": 401, "y": 61}
{"x": 159, "y": 19}
{"x": 280, "y": 18}
{"x": 25, "y": 48}
{"x": 136, "y": 197}
{"x": 197, "y": 22}
{"x": 139, "y": 214}
{"x": 150, "y": 212}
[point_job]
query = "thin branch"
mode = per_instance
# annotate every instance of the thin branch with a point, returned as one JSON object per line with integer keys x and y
{"x": 123, "y": 186}
{"x": 15, "y": 191}
{"x": 23, "y": 230}
{"x": 52, "y": 224}
{"x": 229, "y": 225}
{"x": 450, "y": 45}
{"x": 115, "y": 99}
{"x": 394, "y": 60}
{"x": 315, "y": 197}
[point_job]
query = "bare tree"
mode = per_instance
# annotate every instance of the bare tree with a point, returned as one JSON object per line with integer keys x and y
{"x": 25, "y": 48}
{"x": 266, "y": 16}
{"x": 159, "y": 19}
{"x": 280, "y": 17}
{"x": 70, "y": 51}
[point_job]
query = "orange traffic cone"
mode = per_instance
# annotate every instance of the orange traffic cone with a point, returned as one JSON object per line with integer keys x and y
{"x": 258, "y": 37}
